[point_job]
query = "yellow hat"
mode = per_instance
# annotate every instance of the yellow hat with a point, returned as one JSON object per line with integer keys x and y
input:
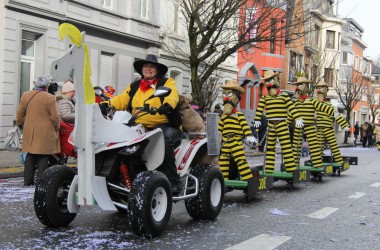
{"x": 233, "y": 85}
{"x": 322, "y": 84}
{"x": 268, "y": 74}
{"x": 301, "y": 80}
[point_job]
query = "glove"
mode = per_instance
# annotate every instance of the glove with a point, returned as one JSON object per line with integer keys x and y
{"x": 299, "y": 123}
{"x": 165, "y": 109}
{"x": 257, "y": 124}
{"x": 104, "y": 107}
{"x": 251, "y": 140}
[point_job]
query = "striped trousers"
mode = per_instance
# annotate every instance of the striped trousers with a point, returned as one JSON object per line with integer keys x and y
{"x": 328, "y": 134}
{"x": 279, "y": 129}
{"x": 234, "y": 146}
{"x": 314, "y": 146}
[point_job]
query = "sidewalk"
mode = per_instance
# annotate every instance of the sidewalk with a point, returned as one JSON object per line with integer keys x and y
{"x": 11, "y": 167}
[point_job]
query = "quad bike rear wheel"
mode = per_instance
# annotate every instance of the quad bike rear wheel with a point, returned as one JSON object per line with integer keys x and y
{"x": 150, "y": 204}
{"x": 50, "y": 196}
{"x": 208, "y": 203}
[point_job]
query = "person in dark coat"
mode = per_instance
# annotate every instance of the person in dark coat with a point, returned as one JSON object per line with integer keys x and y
{"x": 369, "y": 135}
{"x": 261, "y": 132}
{"x": 356, "y": 132}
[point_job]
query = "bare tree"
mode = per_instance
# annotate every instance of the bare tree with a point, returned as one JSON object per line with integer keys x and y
{"x": 315, "y": 69}
{"x": 351, "y": 89}
{"x": 373, "y": 97}
{"x": 218, "y": 29}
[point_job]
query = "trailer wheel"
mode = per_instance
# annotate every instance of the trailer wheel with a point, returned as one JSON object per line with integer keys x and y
{"x": 50, "y": 196}
{"x": 209, "y": 201}
{"x": 150, "y": 204}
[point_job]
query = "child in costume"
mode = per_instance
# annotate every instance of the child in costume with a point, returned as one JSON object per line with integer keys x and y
{"x": 277, "y": 108}
{"x": 325, "y": 124}
{"x": 233, "y": 126}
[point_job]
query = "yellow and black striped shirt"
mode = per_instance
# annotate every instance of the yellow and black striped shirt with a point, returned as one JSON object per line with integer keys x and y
{"x": 276, "y": 108}
{"x": 326, "y": 121}
{"x": 308, "y": 108}
{"x": 234, "y": 124}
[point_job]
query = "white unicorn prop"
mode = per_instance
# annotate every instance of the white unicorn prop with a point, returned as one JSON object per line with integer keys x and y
{"x": 90, "y": 125}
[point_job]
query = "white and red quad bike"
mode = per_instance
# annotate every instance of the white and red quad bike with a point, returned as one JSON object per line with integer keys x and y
{"x": 117, "y": 164}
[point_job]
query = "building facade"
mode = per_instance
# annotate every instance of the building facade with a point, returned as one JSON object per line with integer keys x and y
{"x": 117, "y": 34}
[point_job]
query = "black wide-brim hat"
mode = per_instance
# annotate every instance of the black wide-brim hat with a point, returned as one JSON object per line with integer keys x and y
{"x": 161, "y": 68}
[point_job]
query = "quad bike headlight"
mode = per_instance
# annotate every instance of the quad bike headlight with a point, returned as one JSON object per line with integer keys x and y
{"x": 131, "y": 150}
{"x": 135, "y": 149}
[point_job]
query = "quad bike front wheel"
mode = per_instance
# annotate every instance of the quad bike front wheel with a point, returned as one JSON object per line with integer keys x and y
{"x": 50, "y": 196}
{"x": 150, "y": 204}
{"x": 208, "y": 203}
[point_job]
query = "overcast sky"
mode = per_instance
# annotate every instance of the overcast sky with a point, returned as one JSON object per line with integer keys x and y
{"x": 367, "y": 14}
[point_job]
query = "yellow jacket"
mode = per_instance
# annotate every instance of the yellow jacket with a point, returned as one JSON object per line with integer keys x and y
{"x": 120, "y": 102}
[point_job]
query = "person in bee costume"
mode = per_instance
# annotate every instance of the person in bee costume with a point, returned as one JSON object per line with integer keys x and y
{"x": 233, "y": 126}
{"x": 277, "y": 108}
{"x": 307, "y": 108}
{"x": 325, "y": 124}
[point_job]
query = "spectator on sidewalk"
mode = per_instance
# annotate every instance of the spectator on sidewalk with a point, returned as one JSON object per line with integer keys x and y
{"x": 262, "y": 130}
{"x": 64, "y": 102}
{"x": 356, "y": 132}
{"x": 364, "y": 128}
{"x": 39, "y": 116}
{"x": 369, "y": 135}
{"x": 378, "y": 136}
{"x": 218, "y": 110}
{"x": 305, "y": 151}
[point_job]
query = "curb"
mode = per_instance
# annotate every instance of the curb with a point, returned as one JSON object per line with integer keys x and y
{"x": 18, "y": 171}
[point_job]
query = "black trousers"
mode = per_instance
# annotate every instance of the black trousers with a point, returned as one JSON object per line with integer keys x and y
{"x": 172, "y": 140}
{"x": 365, "y": 141}
{"x": 33, "y": 162}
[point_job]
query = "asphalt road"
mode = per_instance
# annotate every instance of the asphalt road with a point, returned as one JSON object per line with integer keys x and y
{"x": 339, "y": 213}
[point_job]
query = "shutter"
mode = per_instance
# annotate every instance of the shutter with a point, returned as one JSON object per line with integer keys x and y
{"x": 106, "y": 66}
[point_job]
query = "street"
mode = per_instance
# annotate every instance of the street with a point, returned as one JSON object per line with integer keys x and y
{"x": 338, "y": 213}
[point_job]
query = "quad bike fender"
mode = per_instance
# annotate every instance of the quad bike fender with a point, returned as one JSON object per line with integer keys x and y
{"x": 72, "y": 205}
{"x": 155, "y": 150}
{"x": 100, "y": 191}
{"x": 186, "y": 152}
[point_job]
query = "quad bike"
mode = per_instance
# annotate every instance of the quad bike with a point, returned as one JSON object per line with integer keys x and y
{"x": 117, "y": 163}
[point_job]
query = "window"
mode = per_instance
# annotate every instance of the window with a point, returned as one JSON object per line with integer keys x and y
{"x": 347, "y": 58}
{"x": 272, "y": 35}
{"x": 144, "y": 8}
{"x": 330, "y": 39}
{"x": 107, "y": 4}
{"x": 175, "y": 21}
{"x": 329, "y": 76}
{"x": 364, "y": 94}
{"x": 27, "y": 60}
{"x": 316, "y": 35}
{"x": 251, "y": 19}
{"x": 357, "y": 63}
{"x": 106, "y": 69}
{"x": 295, "y": 65}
